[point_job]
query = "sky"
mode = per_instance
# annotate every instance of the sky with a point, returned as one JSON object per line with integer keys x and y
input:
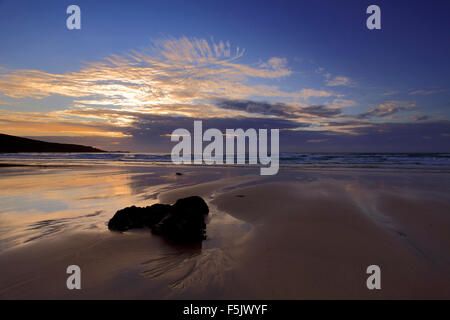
{"x": 137, "y": 70}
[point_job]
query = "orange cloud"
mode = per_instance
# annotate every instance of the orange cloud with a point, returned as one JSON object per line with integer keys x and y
{"x": 177, "y": 77}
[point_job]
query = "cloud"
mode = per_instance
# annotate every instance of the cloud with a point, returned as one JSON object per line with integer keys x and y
{"x": 376, "y": 137}
{"x": 148, "y": 93}
{"x": 54, "y": 124}
{"x": 177, "y": 77}
{"x": 421, "y": 118}
{"x": 310, "y": 113}
{"x": 391, "y": 93}
{"x": 319, "y": 70}
{"x": 386, "y": 109}
{"x": 255, "y": 107}
{"x": 321, "y": 111}
{"x": 426, "y": 92}
{"x": 276, "y": 63}
{"x": 338, "y": 81}
{"x": 343, "y": 103}
{"x": 308, "y": 93}
{"x": 174, "y": 71}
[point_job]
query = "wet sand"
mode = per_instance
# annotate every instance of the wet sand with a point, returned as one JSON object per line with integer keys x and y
{"x": 303, "y": 234}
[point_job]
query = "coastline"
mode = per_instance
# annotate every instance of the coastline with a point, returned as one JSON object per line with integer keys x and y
{"x": 304, "y": 234}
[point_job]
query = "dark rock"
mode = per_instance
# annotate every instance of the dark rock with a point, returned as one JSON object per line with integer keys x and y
{"x": 178, "y": 173}
{"x": 183, "y": 222}
{"x": 137, "y": 217}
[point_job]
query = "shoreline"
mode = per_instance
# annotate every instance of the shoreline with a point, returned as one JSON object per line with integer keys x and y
{"x": 283, "y": 167}
{"x": 301, "y": 235}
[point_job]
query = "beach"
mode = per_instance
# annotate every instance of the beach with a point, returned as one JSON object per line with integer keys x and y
{"x": 306, "y": 233}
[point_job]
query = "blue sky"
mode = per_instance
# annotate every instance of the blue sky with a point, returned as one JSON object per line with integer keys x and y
{"x": 334, "y": 85}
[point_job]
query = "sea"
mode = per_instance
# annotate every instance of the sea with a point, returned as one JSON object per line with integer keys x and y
{"x": 432, "y": 161}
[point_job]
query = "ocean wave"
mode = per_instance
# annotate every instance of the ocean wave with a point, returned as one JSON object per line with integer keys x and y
{"x": 365, "y": 160}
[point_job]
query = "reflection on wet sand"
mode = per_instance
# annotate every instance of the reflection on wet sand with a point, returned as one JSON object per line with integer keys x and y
{"x": 44, "y": 206}
{"x": 203, "y": 265}
{"x": 37, "y": 202}
{"x": 301, "y": 234}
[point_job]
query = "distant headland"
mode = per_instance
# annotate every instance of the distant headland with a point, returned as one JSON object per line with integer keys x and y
{"x": 13, "y": 144}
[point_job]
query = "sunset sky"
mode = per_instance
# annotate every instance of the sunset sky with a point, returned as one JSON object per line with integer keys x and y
{"x": 137, "y": 70}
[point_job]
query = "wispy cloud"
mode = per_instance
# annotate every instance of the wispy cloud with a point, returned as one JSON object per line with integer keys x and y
{"x": 179, "y": 77}
{"x": 427, "y": 92}
{"x": 56, "y": 124}
{"x": 338, "y": 81}
{"x": 173, "y": 71}
{"x": 316, "y": 140}
{"x": 387, "y": 109}
{"x": 175, "y": 81}
{"x": 308, "y": 93}
{"x": 343, "y": 103}
{"x": 391, "y": 93}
